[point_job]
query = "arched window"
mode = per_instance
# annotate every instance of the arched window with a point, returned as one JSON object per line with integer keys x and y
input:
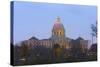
{"x": 60, "y": 33}
{"x": 57, "y": 33}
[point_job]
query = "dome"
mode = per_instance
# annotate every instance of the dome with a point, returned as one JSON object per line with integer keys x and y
{"x": 58, "y": 25}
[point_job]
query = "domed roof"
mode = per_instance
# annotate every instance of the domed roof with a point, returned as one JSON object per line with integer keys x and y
{"x": 34, "y": 38}
{"x": 58, "y": 25}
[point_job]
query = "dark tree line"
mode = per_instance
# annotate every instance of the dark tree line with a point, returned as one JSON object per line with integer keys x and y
{"x": 42, "y": 55}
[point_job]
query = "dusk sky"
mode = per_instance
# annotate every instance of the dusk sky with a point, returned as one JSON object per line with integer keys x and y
{"x": 37, "y": 19}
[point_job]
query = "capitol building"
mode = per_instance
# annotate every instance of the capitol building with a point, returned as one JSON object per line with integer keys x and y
{"x": 58, "y": 37}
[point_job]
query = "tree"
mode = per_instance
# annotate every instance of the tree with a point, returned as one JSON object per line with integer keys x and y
{"x": 94, "y": 29}
{"x": 57, "y": 50}
{"x": 24, "y": 50}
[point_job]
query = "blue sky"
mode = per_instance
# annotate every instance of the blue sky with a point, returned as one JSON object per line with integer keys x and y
{"x": 37, "y": 19}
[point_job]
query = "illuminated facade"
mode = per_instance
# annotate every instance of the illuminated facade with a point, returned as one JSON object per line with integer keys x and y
{"x": 58, "y": 37}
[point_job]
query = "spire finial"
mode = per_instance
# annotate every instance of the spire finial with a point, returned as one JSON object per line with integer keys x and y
{"x": 58, "y": 19}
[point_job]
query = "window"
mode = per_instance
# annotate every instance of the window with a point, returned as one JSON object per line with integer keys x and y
{"x": 60, "y": 33}
{"x": 57, "y": 33}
